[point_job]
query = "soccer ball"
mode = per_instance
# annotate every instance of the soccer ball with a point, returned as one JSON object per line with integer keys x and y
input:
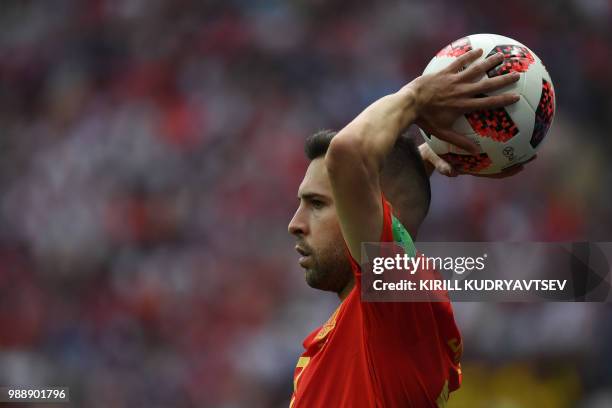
{"x": 509, "y": 135}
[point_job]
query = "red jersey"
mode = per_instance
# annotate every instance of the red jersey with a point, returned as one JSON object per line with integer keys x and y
{"x": 380, "y": 354}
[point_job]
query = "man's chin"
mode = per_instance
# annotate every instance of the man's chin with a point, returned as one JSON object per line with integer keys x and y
{"x": 314, "y": 279}
{"x": 311, "y": 278}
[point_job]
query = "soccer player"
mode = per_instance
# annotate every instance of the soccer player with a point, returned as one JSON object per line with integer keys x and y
{"x": 381, "y": 354}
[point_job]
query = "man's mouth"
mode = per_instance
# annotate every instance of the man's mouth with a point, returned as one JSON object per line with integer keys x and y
{"x": 305, "y": 258}
{"x": 304, "y": 261}
{"x": 301, "y": 250}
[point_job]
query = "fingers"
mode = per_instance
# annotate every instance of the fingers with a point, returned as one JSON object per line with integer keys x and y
{"x": 465, "y": 59}
{"x": 457, "y": 139}
{"x": 451, "y": 137}
{"x": 443, "y": 167}
{"x": 439, "y": 164}
{"x": 478, "y": 70}
{"x": 492, "y": 84}
{"x": 488, "y": 102}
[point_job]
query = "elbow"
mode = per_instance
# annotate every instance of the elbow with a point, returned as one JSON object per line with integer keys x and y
{"x": 345, "y": 152}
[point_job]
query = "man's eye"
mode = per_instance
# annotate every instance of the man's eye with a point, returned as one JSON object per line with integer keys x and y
{"x": 317, "y": 204}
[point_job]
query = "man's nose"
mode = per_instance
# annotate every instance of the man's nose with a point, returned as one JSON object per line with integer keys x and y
{"x": 297, "y": 225}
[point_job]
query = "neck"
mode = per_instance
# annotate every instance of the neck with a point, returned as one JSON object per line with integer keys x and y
{"x": 346, "y": 290}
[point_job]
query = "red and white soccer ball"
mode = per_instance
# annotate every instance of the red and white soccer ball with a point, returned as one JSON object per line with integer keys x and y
{"x": 509, "y": 135}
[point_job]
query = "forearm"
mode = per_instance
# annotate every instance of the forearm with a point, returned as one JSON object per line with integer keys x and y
{"x": 372, "y": 134}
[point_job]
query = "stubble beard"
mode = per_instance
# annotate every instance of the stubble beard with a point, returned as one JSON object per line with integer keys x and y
{"x": 330, "y": 270}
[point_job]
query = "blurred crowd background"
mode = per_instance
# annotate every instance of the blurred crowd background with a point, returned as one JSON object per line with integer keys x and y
{"x": 150, "y": 154}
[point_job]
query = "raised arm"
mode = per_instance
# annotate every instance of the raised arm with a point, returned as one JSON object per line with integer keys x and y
{"x": 356, "y": 153}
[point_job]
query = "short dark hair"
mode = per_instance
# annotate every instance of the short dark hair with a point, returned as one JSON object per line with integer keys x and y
{"x": 316, "y": 145}
{"x": 404, "y": 180}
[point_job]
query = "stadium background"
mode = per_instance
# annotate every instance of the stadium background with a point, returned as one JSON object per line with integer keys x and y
{"x": 150, "y": 153}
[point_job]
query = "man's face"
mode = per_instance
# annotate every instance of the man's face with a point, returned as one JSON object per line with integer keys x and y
{"x": 317, "y": 231}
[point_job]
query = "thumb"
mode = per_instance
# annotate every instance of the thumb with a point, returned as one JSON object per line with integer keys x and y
{"x": 441, "y": 165}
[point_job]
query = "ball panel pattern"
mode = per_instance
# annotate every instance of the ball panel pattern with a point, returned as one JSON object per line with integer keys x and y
{"x": 496, "y": 124}
{"x": 544, "y": 114}
{"x": 456, "y": 48}
{"x": 467, "y": 163}
{"x": 516, "y": 59}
